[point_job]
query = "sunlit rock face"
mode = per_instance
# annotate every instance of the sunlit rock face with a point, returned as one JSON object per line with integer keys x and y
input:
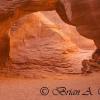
{"x": 35, "y": 36}
{"x": 38, "y": 44}
{"x": 70, "y": 31}
{"x": 12, "y": 10}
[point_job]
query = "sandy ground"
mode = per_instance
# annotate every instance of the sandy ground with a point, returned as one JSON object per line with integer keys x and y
{"x": 29, "y": 89}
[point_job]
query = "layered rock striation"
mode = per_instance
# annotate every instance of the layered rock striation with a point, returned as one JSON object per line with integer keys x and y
{"x": 83, "y": 14}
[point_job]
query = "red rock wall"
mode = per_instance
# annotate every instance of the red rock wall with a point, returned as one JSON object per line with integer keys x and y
{"x": 87, "y": 22}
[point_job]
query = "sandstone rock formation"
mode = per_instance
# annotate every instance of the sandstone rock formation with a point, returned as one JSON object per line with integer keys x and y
{"x": 37, "y": 27}
{"x": 37, "y": 44}
{"x": 70, "y": 31}
{"x": 10, "y": 11}
{"x": 83, "y": 14}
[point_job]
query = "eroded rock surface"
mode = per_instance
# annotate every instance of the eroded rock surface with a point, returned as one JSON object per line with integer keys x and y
{"x": 10, "y": 11}
{"x": 45, "y": 51}
{"x": 85, "y": 15}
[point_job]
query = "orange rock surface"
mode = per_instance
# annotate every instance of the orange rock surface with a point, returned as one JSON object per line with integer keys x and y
{"x": 85, "y": 16}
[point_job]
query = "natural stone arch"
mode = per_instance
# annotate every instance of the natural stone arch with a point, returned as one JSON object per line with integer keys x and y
{"x": 11, "y": 11}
